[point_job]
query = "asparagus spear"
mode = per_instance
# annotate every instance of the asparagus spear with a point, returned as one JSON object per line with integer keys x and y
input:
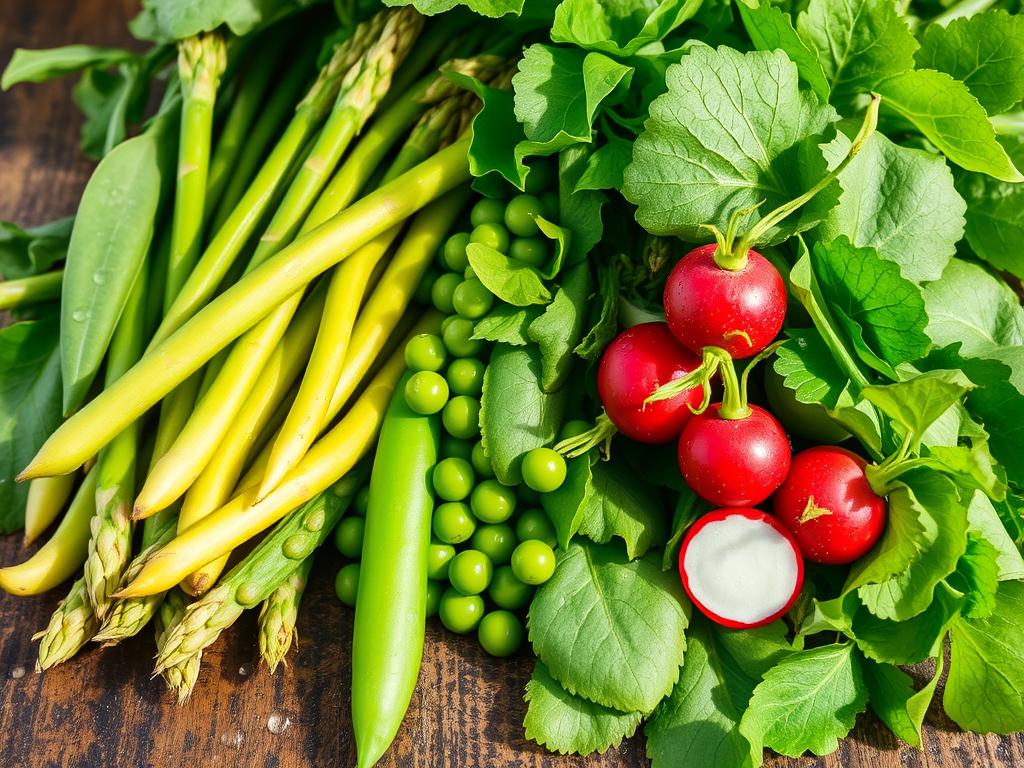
{"x": 294, "y": 540}
{"x": 180, "y": 677}
{"x": 70, "y": 627}
{"x": 30, "y": 290}
{"x": 46, "y": 498}
{"x": 201, "y": 62}
{"x": 376, "y": 48}
{"x": 279, "y": 614}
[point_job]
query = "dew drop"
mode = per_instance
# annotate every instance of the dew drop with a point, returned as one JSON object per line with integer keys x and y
{"x": 277, "y": 724}
{"x": 17, "y": 673}
{"x": 79, "y": 315}
{"x": 232, "y": 740}
{"x": 99, "y": 278}
{"x": 243, "y": 670}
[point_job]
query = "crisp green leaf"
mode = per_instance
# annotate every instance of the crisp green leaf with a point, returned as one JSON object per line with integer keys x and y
{"x": 111, "y": 236}
{"x": 943, "y": 541}
{"x": 610, "y": 629}
{"x": 894, "y": 700}
{"x": 770, "y": 28}
{"x": 983, "y": 521}
{"x": 622, "y": 505}
{"x": 605, "y": 167}
{"x": 984, "y": 51}
{"x": 558, "y": 92}
{"x": 618, "y": 27}
{"x": 755, "y": 651}
{"x": 977, "y": 576}
{"x": 985, "y": 688}
{"x": 562, "y": 239}
{"x": 29, "y": 406}
{"x": 507, "y": 324}
{"x": 516, "y": 414}
{"x": 567, "y": 504}
{"x": 970, "y": 306}
{"x": 899, "y": 201}
{"x": 734, "y": 130}
{"x": 881, "y": 312}
{"x": 995, "y": 213}
{"x": 858, "y": 42}
{"x": 973, "y": 466}
{"x": 808, "y": 701}
{"x": 178, "y": 19}
{"x": 579, "y": 211}
{"x": 689, "y": 507}
{"x": 701, "y": 718}
{"x": 558, "y": 329}
{"x": 603, "y": 316}
{"x": 568, "y": 724}
{"x": 25, "y": 252}
{"x": 904, "y": 538}
{"x": 948, "y": 115}
{"x": 910, "y": 641}
{"x": 38, "y": 66}
{"x": 919, "y": 401}
{"x": 511, "y": 281}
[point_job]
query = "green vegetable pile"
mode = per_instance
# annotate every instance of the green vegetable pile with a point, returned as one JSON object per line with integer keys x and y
{"x": 389, "y": 260}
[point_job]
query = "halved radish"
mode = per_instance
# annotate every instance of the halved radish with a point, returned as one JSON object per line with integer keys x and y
{"x": 741, "y": 567}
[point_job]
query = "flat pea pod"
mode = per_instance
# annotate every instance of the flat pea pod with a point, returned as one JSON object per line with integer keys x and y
{"x": 108, "y": 246}
{"x": 387, "y": 643}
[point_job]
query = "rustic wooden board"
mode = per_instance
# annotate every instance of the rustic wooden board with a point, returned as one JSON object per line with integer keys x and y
{"x": 103, "y": 709}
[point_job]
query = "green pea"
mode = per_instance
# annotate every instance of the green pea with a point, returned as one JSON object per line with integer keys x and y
{"x": 458, "y": 338}
{"x": 466, "y": 376}
{"x": 507, "y": 591}
{"x": 540, "y": 177}
{"x": 500, "y": 633}
{"x": 361, "y": 502}
{"x": 443, "y": 291}
{"x": 453, "y": 522}
{"x": 486, "y": 211}
{"x": 346, "y": 584}
{"x": 481, "y": 464}
{"x": 460, "y": 613}
{"x": 521, "y": 215}
{"x": 425, "y": 352}
{"x": 426, "y": 392}
{"x": 574, "y": 428}
{"x": 535, "y": 524}
{"x": 471, "y": 299}
{"x": 529, "y": 250}
{"x": 299, "y": 545}
{"x": 496, "y": 541}
{"x": 533, "y": 562}
{"x": 470, "y": 572}
{"x": 493, "y": 235}
{"x": 492, "y": 502}
{"x": 348, "y": 537}
{"x": 551, "y": 204}
{"x": 439, "y": 556}
{"x": 454, "y": 448}
{"x": 453, "y": 256}
{"x": 453, "y": 479}
{"x": 434, "y": 591}
{"x": 461, "y": 417}
{"x": 543, "y": 470}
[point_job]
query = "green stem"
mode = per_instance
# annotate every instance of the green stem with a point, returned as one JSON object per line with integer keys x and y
{"x": 600, "y": 434}
{"x": 201, "y": 62}
{"x": 734, "y": 402}
{"x": 734, "y": 257}
{"x": 30, "y": 290}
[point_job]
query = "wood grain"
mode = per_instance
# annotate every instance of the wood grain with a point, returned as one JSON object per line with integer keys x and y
{"x": 102, "y": 709}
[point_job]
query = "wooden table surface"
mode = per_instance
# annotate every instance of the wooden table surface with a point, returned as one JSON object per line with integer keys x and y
{"x": 102, "y": 708}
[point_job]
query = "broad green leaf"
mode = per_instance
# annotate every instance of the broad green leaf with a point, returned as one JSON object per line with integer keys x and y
{"x": 567, "y": 504}
{"x": 942, "y": 543}
{"x": 516, "y": 414}
{"x": 984, "y": 51}
{"x": 995, "y": 213}
{"x": 507, "y": 324}
{"x": 610, "y": 629}
{"x": 983, "y": 520}
{"x": 948, "y": 115}
{"x": 755, "y": 651}
{"x": 558, "y": 329}
{"x": 970, "y": 306}
{"x": 910, "y": 641}
{"x": 618, "y": 27}
{"x": 985, "y": 688}
{"x": 973, "y": 466}
{"x": 919, "y": 401}
{"x": 108, "y": 246}
{"x": 29, "y": 406}
{"x": 977, "y": 576}
{"x": 733, "y": 131}
{"x": 25, "y": 252}
{"x": 511, "y": 281}
{"x": 177, "y": 19}
{"x": 38, "y": 66}
{"x": 558, "y": 92}
{"x": 568, "y": 724}
{"x": 881, "y": 312}
{"x": 858, "y": 43}
{"x": 561, "y": 238}
{"x": 770, "y": 28}
{"x": 579, "y": 211}
{"x": 904, "y": 538}
{"x": 899, "y": 201}
{"x": 808, "y": 701}
{"x": 894, "y": 700}
{"x": 701, "y": 718}
{"x": 606, "y": 165}
{"x": 622, "y": 505}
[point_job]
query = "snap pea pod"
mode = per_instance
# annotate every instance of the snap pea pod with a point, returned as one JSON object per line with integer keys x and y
{"x": 294, "y": 540}
{"x": 391, "y": 602}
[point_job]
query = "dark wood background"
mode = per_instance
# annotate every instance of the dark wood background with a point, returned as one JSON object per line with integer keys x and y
{"x": 102, "y": 709}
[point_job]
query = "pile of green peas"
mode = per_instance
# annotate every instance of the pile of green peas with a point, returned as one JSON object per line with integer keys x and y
{"x": 492, "y": 544}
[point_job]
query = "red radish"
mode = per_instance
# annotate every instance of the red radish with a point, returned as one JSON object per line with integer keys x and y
{"x": 734, "y": 462}
{"x": 635, "y": 364}
{"x": 829, "y": 505}
{"x": 741, "y": 567}
{"x": 709, "y": 305}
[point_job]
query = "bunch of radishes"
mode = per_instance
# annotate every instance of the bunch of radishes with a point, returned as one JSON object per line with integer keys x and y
{"x": 741, "y": 566}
